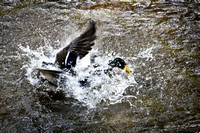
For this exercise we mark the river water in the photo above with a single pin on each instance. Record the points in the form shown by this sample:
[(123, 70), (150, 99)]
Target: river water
[(159, 40)]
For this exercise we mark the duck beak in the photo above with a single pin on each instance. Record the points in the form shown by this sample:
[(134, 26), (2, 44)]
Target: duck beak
[(127, 69)]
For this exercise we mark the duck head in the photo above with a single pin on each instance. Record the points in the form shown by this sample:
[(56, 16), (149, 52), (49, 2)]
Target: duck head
[(120, 63)]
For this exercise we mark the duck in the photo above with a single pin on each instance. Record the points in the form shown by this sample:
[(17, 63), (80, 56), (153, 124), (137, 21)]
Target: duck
[(66, 58)]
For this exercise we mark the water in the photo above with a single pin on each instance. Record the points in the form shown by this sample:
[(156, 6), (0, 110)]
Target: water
[(159, 40)]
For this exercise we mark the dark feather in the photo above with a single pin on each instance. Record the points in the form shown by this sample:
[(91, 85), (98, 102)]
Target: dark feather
[(77, 48)]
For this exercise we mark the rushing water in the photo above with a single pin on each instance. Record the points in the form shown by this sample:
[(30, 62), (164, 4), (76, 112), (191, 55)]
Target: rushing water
[(159, 40)]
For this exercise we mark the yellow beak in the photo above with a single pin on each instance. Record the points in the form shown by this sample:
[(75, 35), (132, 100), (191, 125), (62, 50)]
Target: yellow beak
[(127, 69)]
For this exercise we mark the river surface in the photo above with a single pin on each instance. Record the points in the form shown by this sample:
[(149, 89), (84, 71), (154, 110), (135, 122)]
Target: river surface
[(159, 40)]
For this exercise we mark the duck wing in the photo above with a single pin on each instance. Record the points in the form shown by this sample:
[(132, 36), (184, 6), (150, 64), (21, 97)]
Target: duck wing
[(78, 48)]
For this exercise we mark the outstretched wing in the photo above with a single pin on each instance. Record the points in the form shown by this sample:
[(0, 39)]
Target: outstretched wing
[(78, 48)]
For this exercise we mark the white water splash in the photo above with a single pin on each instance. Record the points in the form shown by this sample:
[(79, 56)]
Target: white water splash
[(35, 59), (102, 88), (147, 53)]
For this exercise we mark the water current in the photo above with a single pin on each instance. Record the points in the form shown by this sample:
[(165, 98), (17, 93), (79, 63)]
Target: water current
[(159, 40)]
